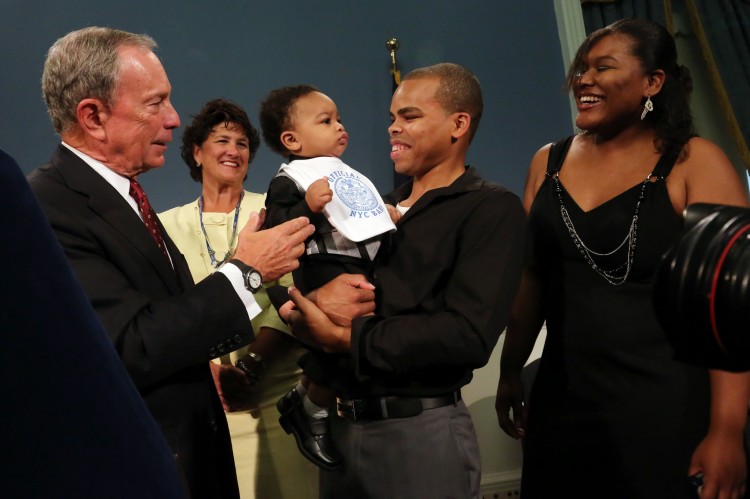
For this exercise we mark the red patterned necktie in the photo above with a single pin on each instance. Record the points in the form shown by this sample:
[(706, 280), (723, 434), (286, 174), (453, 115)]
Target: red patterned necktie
[(149, 217)]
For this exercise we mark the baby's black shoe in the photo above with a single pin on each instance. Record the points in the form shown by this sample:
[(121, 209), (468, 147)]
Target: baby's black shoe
[(312, 434)]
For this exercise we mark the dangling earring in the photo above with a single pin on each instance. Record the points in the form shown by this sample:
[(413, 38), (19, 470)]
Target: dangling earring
[(648, 106), (198, 165)]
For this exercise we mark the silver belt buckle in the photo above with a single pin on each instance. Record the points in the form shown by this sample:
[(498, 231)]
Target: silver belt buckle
[(346, 404), (384, 407)]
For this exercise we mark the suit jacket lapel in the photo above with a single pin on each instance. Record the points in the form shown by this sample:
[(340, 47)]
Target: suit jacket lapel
[(107, 203)]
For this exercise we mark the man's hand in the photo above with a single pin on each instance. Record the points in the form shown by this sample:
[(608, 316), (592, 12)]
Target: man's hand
[(318, 195), (273, 252), (313, 327), (345, 297), (324, 318)]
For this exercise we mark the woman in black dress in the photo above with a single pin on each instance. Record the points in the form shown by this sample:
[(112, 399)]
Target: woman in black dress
[(612, 414)]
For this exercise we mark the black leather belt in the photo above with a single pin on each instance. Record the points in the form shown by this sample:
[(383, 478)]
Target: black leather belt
[(392, 407)]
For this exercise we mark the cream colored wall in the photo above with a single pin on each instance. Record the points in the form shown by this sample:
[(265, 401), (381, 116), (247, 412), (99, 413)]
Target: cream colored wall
[(501, 455)]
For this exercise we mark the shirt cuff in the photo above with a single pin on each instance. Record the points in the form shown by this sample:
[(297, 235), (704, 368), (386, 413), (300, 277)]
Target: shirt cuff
[(248, 299)]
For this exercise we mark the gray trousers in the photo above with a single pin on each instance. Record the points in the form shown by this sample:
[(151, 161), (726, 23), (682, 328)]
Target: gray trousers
[(434, 455)]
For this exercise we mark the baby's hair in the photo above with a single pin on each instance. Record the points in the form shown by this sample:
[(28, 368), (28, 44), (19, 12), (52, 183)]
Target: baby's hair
[(275, 114)]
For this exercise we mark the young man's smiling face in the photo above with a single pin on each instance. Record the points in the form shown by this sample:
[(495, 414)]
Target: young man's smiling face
[(420, 130)]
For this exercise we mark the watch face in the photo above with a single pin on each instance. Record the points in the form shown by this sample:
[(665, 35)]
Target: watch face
[(254, 280)]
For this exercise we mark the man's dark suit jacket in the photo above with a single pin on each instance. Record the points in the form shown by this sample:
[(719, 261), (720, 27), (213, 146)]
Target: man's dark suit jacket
[(72, 423), (165, 328)]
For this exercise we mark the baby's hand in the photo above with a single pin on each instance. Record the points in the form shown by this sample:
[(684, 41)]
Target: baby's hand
[(394, 213), (318, 195)]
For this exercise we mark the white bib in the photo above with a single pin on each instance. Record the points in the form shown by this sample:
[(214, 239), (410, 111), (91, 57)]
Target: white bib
[(357, 211)]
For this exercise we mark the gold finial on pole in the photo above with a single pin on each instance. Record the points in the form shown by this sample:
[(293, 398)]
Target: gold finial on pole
[(392, 45)]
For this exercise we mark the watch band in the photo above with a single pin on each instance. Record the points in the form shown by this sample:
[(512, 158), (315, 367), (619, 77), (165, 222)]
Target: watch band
[(252, 279), (253, 375)]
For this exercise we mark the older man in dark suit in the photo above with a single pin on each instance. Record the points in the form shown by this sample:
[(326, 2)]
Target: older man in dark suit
[(109, 99)]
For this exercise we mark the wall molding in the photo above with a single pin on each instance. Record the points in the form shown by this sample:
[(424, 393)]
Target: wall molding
[(501, 484)]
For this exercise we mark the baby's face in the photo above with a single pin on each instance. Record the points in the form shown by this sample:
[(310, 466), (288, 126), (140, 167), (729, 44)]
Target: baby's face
[(317, 127)]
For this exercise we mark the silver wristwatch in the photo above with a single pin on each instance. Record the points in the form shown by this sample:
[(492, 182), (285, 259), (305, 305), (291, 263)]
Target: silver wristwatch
[(251, 277)]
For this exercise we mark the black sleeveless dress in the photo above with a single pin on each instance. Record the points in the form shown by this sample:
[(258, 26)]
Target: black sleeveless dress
[(612, 414)]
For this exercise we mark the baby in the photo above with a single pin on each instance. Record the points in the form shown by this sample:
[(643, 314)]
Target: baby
[(303, 125)]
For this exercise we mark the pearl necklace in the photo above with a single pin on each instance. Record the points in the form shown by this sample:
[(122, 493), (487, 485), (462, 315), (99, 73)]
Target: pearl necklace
[(616, 275)]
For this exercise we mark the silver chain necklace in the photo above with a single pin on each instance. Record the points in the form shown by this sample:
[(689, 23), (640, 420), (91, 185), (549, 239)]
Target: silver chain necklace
[(616, 275)]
